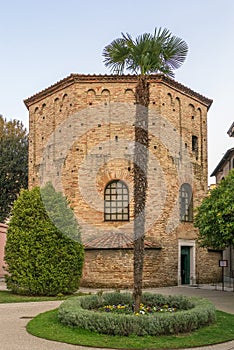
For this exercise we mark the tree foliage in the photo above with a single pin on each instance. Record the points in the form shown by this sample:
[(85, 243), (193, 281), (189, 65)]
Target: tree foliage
[(215, 216), (13, 163), (40, 258)]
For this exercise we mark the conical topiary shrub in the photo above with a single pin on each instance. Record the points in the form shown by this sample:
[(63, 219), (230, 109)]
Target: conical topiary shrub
[(43, 253)]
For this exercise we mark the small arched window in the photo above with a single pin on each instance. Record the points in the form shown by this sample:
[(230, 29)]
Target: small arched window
[(186, 203), (116, 201)]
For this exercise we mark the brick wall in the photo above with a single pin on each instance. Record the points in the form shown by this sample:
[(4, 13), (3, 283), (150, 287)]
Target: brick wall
[(82, 137)]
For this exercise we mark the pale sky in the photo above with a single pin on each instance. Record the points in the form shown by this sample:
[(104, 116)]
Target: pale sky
[(42, 42)]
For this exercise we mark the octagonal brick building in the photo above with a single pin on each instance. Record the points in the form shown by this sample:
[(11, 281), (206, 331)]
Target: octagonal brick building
[(82, 139)]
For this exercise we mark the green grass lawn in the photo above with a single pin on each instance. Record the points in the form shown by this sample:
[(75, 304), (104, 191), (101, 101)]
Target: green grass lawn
[(47, 326), (8, 297)]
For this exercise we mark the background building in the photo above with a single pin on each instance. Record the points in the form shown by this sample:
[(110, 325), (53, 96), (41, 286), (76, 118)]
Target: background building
[(221, 171), (225, 165), (231, 130), (81, 138)]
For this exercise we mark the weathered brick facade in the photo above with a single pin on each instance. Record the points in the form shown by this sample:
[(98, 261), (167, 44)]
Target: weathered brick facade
[(82, 137)]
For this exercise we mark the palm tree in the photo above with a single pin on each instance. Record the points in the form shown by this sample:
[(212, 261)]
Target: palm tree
[(160, 52)]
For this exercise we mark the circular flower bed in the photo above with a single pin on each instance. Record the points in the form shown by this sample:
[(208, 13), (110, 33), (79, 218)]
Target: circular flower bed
[(112, 313), (144, 309)]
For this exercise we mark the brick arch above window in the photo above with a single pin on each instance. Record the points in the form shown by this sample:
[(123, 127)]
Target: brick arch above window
[(192, 112), (105, 95), (91, 96), (129, 95), (105, 92), (169, 99), (91, 92), (177, 104)]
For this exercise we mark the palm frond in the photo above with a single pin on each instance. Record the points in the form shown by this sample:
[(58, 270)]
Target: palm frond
[(175, 52), (115, 55), (160, 52)]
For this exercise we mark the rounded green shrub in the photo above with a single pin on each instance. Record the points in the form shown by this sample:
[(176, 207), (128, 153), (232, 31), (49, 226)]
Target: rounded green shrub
[(40, 258), (83, 312)]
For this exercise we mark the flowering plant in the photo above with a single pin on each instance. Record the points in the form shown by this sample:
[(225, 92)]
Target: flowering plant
[(144, 309)]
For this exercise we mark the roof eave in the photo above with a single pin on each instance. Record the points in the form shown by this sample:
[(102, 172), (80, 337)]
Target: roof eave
[(222, 161), (231, 130), (73, 78)]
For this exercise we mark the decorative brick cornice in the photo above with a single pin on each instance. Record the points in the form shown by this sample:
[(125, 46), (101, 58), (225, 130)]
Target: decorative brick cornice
[(82, 78), (184, 89)]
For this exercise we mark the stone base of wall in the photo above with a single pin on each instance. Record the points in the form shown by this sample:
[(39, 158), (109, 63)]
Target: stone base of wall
[(113, 268)]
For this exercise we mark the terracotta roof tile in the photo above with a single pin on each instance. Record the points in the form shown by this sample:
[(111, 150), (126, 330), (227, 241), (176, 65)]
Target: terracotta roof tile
[(226, 157), (115, 240)]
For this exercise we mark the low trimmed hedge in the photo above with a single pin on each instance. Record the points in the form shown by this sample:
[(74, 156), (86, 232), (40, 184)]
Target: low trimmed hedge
[(82, 312)]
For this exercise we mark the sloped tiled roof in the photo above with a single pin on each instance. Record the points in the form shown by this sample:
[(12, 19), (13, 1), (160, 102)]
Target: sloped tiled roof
[(115, 240), (231, 130), (75, 78), (223, 161)]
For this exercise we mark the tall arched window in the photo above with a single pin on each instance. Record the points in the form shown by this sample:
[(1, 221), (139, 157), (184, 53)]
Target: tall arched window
[(116, 201), (186, 203)]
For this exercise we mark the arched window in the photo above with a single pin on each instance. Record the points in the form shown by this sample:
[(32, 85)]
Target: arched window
[(186, 203), (116, 201)]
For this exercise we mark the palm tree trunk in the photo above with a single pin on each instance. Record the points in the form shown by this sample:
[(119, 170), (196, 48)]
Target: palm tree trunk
[(140, 184)]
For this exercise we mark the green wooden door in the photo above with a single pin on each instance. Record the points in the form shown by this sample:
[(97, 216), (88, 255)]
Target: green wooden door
[(185, 265)]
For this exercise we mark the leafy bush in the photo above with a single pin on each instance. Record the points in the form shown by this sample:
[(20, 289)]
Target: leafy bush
[(78, 312), (96, 300), (40, 259), (178, 301)]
